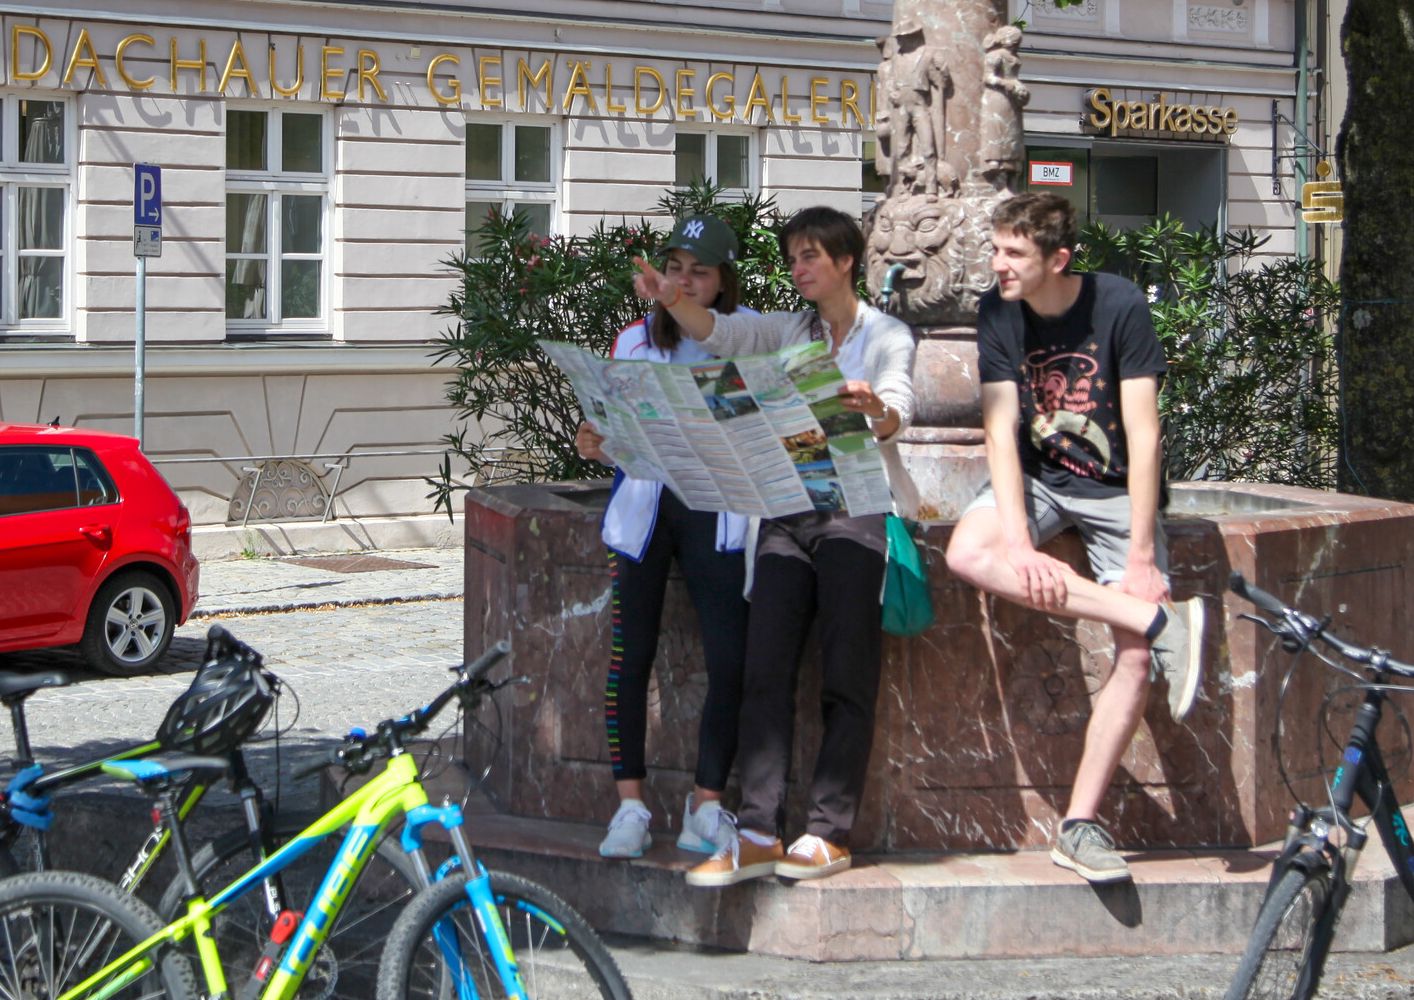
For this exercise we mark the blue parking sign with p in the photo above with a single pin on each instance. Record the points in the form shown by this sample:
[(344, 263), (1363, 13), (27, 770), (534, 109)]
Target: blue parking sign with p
[(147, 194)]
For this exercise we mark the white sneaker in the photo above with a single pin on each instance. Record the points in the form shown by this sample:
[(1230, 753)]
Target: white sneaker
[(708, 830), (1177, 654), (628, 831)]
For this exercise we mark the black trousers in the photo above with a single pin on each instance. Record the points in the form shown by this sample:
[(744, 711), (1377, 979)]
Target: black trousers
[(839, 587), (714, 582)]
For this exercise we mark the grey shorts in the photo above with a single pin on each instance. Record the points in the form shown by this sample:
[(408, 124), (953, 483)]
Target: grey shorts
[(1103, 523)]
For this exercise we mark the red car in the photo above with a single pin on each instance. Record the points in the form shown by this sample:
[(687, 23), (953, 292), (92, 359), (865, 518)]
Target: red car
[(95, 548)]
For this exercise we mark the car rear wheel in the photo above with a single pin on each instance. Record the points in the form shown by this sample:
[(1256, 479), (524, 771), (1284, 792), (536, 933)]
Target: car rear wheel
[(130, 624)]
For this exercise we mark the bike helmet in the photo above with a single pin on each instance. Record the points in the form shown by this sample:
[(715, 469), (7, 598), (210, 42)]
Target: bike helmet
[(226, 703)]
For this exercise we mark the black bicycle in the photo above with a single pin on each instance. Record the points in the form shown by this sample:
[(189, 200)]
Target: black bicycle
[(1310, 879)]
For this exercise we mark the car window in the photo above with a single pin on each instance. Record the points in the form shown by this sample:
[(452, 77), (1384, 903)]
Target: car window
[(34, 479), (94, 483)]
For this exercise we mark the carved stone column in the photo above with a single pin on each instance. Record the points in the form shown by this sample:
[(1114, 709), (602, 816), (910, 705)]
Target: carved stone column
[(950, 145)]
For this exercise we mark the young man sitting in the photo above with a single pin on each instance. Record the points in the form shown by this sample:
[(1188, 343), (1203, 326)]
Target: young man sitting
[(1070, 368)]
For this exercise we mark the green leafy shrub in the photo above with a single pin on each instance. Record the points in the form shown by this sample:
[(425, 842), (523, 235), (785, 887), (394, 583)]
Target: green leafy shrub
[(1252, 387), (521, 287)]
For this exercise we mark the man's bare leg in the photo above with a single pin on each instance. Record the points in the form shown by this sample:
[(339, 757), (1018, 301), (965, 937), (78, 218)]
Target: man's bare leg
[(977, 554)]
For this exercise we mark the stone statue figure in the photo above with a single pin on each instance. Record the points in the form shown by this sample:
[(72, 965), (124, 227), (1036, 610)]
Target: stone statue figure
[(950, 143), (1003, 97), (916, 85)]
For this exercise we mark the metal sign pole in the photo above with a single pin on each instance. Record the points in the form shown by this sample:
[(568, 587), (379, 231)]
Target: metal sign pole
[(147, 242), (139, 346)]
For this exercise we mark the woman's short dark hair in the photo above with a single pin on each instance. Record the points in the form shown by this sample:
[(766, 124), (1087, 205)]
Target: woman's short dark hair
[(664, 329), (1046, 219), (836, 233)]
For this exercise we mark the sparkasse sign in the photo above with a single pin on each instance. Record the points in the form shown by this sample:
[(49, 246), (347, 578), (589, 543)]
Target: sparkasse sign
[(1158, 117)]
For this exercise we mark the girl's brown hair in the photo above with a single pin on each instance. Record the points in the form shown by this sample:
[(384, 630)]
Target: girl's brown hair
[(664, 329)]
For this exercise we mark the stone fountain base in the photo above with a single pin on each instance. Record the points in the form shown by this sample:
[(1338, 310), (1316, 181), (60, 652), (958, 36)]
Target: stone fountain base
[(981, 719)]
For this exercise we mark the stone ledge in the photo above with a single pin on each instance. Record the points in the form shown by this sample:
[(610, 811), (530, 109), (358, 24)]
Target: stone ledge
[(928, 907)]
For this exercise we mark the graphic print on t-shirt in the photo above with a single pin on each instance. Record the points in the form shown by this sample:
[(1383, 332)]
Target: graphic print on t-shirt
[(1070, 402)]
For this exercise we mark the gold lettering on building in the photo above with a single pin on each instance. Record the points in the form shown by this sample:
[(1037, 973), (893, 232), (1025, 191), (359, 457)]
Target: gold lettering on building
[(485, 81), (849, 102), (329, 73), (756, 98), (453, 94), (609, 104), (579, 87), (277, 87), (682, 92), (368, 67), (727, 108), (243, 73), (540, 79), (639, 72), (177, 64), (41, 41), (78, 60), (1197, 120), (121, 52), (556, 80), (787, 116), (819, 100)]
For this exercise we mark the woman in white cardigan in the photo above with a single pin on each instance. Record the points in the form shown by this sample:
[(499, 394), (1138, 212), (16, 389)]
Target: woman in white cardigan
[(821, 566)]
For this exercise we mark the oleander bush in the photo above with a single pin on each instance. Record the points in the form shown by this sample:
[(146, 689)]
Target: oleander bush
[(516, 414), (1252, 387)]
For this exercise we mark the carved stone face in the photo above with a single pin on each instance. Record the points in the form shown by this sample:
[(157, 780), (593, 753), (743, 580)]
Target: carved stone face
[(914, 231)]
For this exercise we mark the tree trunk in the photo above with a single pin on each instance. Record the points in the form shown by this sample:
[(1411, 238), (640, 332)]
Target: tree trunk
[(1377, 269)]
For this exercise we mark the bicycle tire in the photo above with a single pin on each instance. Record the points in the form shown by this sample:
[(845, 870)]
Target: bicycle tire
[(556, 950), (346, 966), (58, 928), (1284, 939)]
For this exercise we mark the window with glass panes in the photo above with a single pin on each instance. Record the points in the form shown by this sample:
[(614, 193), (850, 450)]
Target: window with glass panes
[(277, 189), (510, 168), (722, 158), (36, 183), (871, 182)]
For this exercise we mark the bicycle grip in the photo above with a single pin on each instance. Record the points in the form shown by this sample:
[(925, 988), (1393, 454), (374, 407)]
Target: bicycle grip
[(1238, 584), (488, 659)]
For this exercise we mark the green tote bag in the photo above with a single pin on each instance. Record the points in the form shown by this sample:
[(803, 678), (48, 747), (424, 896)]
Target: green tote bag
[(907, 604)]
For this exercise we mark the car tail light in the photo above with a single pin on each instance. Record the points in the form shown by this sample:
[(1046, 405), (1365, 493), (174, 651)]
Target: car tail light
[(184, 523)]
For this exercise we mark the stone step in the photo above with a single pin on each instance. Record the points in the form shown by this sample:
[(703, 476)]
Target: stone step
[(924, 907)]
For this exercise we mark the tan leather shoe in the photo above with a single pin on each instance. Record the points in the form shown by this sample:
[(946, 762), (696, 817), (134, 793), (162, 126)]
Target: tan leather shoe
[(813, 857), (740, 859)]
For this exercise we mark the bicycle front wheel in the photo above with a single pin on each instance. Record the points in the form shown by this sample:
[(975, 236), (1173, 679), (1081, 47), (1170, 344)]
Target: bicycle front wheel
[(346, 965), (1285, 940), (59, 928), (437, 948)]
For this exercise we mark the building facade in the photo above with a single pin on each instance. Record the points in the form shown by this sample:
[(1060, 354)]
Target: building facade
[(322, 160)]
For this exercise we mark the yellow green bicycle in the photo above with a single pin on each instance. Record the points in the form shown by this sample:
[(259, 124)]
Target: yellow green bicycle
[(469, 934)]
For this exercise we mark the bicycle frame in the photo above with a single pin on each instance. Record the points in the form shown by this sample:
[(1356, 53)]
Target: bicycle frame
[(396, 790), (1361, 773)]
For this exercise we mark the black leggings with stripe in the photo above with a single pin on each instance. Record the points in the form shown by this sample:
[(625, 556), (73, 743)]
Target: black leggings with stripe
[(714, 582)]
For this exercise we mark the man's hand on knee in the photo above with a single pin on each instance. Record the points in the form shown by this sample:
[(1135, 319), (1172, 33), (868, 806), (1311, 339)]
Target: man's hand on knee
[(1042, 577)]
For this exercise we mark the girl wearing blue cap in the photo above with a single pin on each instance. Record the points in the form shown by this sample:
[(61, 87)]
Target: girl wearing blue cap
[(646, 528)]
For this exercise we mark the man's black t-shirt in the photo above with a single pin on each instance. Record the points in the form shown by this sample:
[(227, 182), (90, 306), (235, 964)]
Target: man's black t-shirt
[(1067, 369)]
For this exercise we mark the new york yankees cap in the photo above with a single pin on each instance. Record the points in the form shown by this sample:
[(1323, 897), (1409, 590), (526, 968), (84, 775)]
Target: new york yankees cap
[(706, 237)]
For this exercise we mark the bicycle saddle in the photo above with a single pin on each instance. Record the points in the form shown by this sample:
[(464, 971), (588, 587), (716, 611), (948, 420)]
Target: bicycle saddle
[(17, 687)]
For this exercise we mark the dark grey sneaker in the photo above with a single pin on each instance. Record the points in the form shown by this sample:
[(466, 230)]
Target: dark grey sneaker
[(1177, 654), (1088, 850)]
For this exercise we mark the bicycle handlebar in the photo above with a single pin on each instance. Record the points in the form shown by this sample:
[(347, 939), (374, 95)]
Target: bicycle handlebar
[(1297, 624), (357, 751)]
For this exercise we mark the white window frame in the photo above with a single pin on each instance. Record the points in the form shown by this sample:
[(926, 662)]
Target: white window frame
[(508, 193), (275, 183), (15, 175), (753, 158)]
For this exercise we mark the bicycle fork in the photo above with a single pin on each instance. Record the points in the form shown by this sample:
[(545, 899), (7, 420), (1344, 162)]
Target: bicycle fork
[(483, 904)]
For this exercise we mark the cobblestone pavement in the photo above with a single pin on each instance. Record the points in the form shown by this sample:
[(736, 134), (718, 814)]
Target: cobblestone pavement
[(349, 661)]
